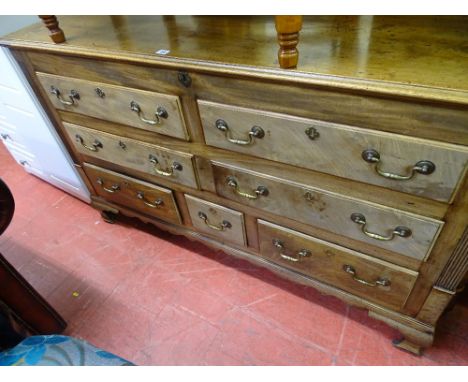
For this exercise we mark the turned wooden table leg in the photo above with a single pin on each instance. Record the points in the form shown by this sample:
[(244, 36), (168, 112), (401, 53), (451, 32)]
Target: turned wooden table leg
[(288, 28), (55, 33)]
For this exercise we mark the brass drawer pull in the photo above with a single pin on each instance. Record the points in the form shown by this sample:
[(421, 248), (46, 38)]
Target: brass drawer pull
[(255, 132), (260, 191), (168, 171), (74, 95), (157, 203), (160, 113), (222, 227), (94, 147), (299, 255), (398, 231), (380, 281), (114, 187), (423, 167)]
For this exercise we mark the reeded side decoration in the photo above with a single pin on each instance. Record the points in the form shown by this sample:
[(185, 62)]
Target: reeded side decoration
[(456, 269)]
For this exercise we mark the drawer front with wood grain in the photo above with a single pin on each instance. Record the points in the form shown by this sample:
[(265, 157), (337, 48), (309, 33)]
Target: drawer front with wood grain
[(215, 220), (398, 231), (132, 193), (417, 166), (364, 276), (161, 162), (159, 113)]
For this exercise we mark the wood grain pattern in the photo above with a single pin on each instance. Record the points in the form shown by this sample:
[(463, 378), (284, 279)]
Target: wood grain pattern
[(337, 149), (135, 154), (252, 214), (203, 154), (113, 103), (374, 82), (440, 121), (329, 211), (435, 306), (326, 261), (125, 191), (217, 215), (378, 48)]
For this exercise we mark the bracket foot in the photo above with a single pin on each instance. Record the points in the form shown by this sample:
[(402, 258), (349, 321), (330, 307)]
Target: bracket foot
[(108, 217)]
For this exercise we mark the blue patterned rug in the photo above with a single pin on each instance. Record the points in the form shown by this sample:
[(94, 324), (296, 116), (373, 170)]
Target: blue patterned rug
[(57, 350)]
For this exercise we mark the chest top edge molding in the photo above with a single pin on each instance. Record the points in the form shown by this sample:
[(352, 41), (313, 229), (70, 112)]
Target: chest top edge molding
[(379, 88)]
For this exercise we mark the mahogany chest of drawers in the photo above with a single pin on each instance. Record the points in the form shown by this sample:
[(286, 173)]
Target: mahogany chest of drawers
[(352, 184)]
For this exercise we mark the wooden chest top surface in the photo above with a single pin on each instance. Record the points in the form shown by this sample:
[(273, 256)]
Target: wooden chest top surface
[(429, 51)]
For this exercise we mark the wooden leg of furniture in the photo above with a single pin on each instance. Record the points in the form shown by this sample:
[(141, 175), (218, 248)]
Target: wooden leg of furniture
[(288, 28), (108, 217), (108, 213), (55, 33), (405, 344), (413, 340)]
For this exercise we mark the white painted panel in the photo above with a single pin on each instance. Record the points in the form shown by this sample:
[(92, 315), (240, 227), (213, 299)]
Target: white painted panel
[(32, 137)]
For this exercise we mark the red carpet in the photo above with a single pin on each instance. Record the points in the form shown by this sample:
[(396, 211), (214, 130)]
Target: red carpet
[(158, 299)]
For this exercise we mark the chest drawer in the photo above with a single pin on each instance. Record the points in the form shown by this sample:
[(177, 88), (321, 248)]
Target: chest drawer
[(129, 192), (398, 231), (159, 113), (155, 160), (411, 165), (370, 278), (216, 220)]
